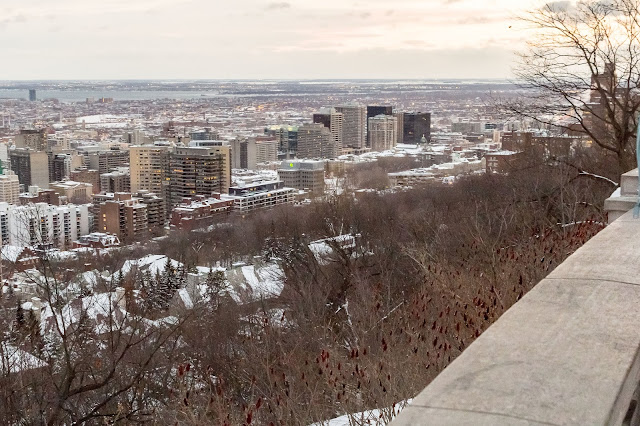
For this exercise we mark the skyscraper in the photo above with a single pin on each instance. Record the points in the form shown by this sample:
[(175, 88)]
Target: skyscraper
[(32, 167), (32, 95), (30, 138), (148, 168), (383, 132), (199, 170), (315, 141), (375, 110), (416, 126), (334, 121), (353, 125)]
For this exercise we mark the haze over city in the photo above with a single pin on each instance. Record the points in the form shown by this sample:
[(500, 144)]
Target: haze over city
[(260, 39), (319, 213)]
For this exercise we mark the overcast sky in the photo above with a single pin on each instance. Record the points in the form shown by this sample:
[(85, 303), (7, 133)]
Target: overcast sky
[(174, 39)]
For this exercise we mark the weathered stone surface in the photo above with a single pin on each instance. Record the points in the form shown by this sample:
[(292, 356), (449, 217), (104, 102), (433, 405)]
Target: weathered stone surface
[(629, 183), (567, 353)]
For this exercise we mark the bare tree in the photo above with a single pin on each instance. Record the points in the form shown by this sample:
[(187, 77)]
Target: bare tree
[(583, 65)]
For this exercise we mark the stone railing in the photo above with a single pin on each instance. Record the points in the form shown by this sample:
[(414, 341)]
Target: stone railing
[(568, 353)]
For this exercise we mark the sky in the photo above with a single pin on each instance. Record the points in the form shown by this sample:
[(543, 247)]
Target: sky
[(259, 39)]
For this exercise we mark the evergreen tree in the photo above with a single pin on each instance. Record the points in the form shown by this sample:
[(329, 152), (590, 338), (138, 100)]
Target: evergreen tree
[(216, 283)]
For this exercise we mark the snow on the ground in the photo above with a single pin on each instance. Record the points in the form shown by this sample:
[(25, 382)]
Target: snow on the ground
[(250, 283), (153, 263), (14, 360)]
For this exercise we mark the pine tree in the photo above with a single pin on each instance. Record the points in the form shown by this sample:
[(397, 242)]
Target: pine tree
[(216, 283)]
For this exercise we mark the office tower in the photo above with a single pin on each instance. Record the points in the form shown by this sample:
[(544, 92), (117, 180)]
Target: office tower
[(287, 137), (307, 175), (243, 154), (353, 125), (266, 151), (315, 141), (383, 132), (32, 95), (106, 161), (33, 139), (9, 187), (137, 137), (83, 174), (400, 117), (334, 121), (199, 170), (375, 110), (32, 167), (148, 168), (248, 153), (61, 165), (416, 125)]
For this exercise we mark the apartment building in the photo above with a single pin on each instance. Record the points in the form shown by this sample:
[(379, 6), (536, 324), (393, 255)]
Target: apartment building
[(9, 187), (43, 224), (202, 169), (260, 195)]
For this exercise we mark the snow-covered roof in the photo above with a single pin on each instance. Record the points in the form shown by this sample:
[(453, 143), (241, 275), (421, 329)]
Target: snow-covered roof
[(153, 263), (15, 360), (251, 283)]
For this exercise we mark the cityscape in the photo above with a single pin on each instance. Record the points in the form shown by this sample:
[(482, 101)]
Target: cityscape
[(454, 248)]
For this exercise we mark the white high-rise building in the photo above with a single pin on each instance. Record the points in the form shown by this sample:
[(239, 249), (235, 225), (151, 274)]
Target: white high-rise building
[(41, 223), (9, 187), (383, 132)]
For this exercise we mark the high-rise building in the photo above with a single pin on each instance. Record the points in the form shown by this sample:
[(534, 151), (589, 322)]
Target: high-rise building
[(353, 125), (334, 121), (375, 110), (107, 161), (203, 169), (248, 153), (116, 181), (123, 216), (266, 151), (32, 167), (32, 95), (149, 165), (383, 132), (33, 139), (315, 141), (9, 187), (287, 137), (86, 175), (243, 154), (43, 224), (416, 125), (307, 175), (156, 211), (400, 117), (61, 165)]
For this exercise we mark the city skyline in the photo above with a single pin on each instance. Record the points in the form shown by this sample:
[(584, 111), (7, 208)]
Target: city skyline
[(193, 39)]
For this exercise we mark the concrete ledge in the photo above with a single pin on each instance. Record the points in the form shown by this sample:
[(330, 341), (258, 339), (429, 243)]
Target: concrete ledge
[(629, 183), (567, 353)]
